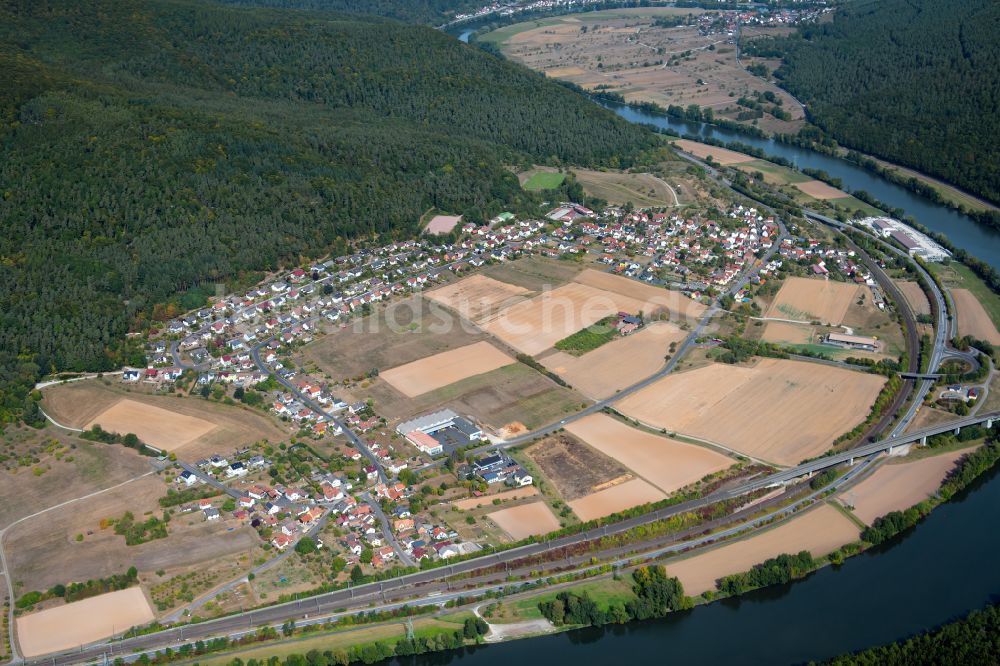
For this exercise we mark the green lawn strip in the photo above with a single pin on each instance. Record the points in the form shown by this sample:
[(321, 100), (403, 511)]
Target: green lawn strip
[(544, 180), (604, 592), (860, 524)]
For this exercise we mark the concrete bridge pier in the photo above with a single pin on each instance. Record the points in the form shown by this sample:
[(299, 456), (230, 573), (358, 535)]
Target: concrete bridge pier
[(851, 462), (989, 423), (923, 441), (889, 451), (957, 430)]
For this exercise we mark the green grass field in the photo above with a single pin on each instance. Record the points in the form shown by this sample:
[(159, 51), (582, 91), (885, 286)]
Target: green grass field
[(589, 338), (544, 180)]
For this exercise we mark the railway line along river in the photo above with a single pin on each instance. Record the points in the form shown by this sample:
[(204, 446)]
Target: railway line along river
[(934, 573)]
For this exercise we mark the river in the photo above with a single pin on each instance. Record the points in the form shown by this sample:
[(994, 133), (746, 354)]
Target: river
[(937, 572)]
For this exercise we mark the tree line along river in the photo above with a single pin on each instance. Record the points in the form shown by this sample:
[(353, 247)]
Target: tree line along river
[(937, 572)]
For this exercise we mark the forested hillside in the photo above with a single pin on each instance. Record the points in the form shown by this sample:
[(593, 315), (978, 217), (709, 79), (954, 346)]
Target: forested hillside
[(151, 148), (429, 12), (913, 81)]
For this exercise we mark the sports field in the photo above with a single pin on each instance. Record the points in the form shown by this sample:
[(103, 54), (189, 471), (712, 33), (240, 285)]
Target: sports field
[(433, 372), (526, 520), (442, 224), (622, 362), (820, 531), (666, 463), (82, 622), (544, 180), (775, 410), (614, 499), (807, 299)]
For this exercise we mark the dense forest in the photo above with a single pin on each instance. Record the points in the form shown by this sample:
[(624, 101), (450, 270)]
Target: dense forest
[(428, 12), (151, 148), (971, 641), (916, 82)]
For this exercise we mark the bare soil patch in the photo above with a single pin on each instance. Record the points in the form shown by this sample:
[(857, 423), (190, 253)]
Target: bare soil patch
[(82, 622), (776, 410), (442, 224), (817, 189), (622, 362), (525, 520), (478, 296), (666, 463), (232, 426), (722, 156), (806, 299), (614, 499), (898, 486), (652, 299), (972, 317), (915, 296), (534, 273), (433, 372), (575, 468), (820, 531)]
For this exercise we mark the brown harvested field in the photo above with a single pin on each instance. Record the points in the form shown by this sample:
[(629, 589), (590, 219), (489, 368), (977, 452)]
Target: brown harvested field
[(618, 187), (666, 463), (808, 299), (622, 362), (614, 499), (82, 404), (781, 331), (914, 296), (526, 520), (506, 496), (776, 410), (820, 531), (720, 155), (533, 272), (972, 317), (651, 298), (514, 392), (403, 332), (898, 486), (79, 623), (535, 325), (442, 224), (43, 550), (433, 372), (160, 427), (575, 468), (817, 189), (478, 296), (629, 54)]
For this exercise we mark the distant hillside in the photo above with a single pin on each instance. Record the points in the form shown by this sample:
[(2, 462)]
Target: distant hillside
[(152, 148), (428, 12), (916, 82)]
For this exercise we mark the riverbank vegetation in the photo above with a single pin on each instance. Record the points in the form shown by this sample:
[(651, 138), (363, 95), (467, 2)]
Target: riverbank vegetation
[(877, 77), (970, 641)]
